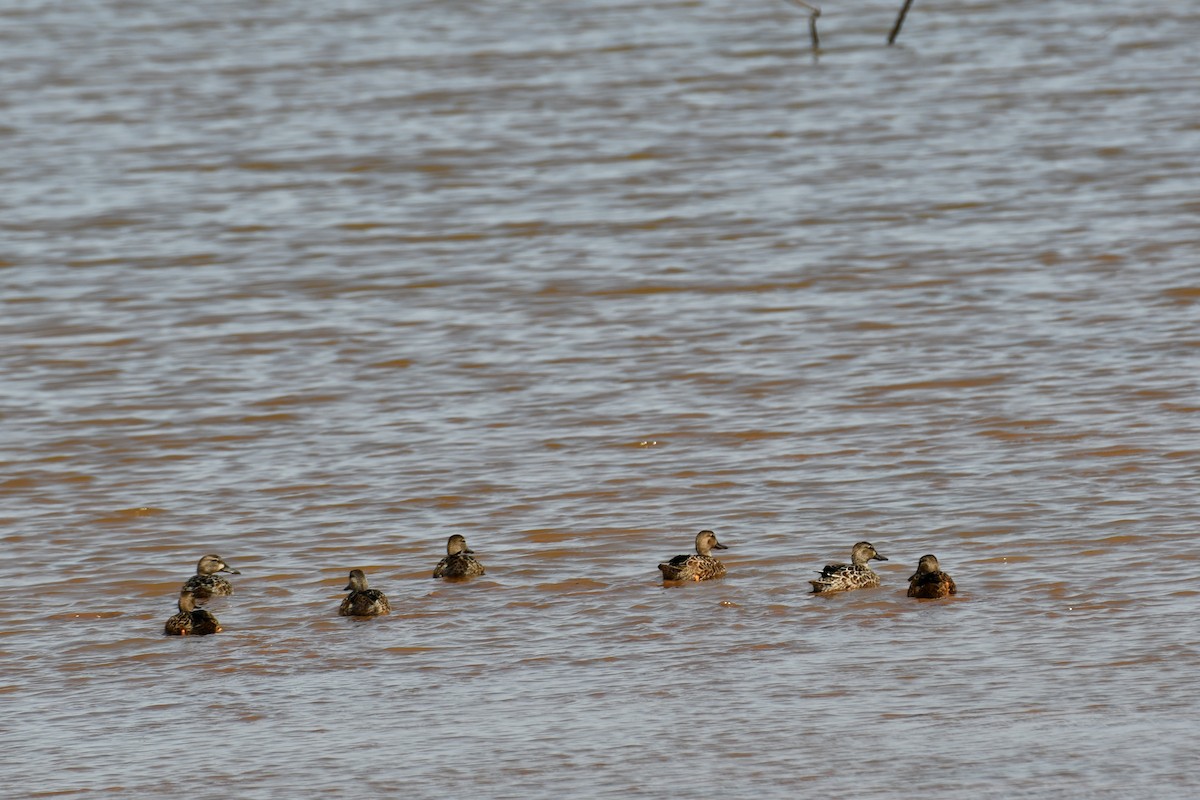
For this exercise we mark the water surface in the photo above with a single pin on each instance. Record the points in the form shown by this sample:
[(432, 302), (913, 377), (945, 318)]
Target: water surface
[(314, 286)]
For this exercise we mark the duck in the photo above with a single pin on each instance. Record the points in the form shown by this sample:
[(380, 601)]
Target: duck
[(191, 621), (855, 575), (460, 561), (363, 602), (206, 583), (698, 566), (929, 582)]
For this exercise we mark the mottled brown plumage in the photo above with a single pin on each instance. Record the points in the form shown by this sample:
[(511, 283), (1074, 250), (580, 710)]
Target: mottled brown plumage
[(699, 566), (206, 583), (191, 621), (929, 582), (855, 575), (459, 562), (363, 602)]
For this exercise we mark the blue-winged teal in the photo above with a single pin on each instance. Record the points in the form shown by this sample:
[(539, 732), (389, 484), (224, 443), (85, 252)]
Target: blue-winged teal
[(929, 581), (855, 575), (460, 561), (363, 602), (205, 583), (191, 621), (699, 566)]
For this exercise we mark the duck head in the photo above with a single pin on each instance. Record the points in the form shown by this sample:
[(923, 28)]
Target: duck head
[(864, 552), (358, 581), (458, 544), (706, 542), (928, 563), (214, 563)]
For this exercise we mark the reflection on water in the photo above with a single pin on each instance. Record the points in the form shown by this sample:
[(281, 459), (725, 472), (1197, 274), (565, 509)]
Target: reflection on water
[(314, 287)]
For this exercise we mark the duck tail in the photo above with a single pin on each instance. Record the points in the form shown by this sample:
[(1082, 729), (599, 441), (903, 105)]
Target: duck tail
[(674, 572)]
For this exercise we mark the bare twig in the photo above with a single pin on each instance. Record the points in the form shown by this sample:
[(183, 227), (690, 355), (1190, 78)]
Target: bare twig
[(899, 21), (813, 13)]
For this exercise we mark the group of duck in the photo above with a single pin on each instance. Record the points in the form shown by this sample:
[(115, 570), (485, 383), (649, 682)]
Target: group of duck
[(363, 601), (928, 582)]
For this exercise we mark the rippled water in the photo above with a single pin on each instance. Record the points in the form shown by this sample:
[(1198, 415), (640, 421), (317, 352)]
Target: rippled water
[(314, 285)]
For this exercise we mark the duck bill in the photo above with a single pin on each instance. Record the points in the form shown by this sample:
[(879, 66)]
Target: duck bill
[(230, 570), (878, 557), (719, 546)]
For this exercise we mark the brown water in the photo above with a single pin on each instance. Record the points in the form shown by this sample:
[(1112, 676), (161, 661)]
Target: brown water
[(314, 285)]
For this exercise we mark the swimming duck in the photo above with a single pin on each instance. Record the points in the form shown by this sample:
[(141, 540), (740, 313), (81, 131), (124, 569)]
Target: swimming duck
[(191, 621), (363, 602), (459, 562), (929, 581), (699, 566), (205, 583), (855, 575)]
